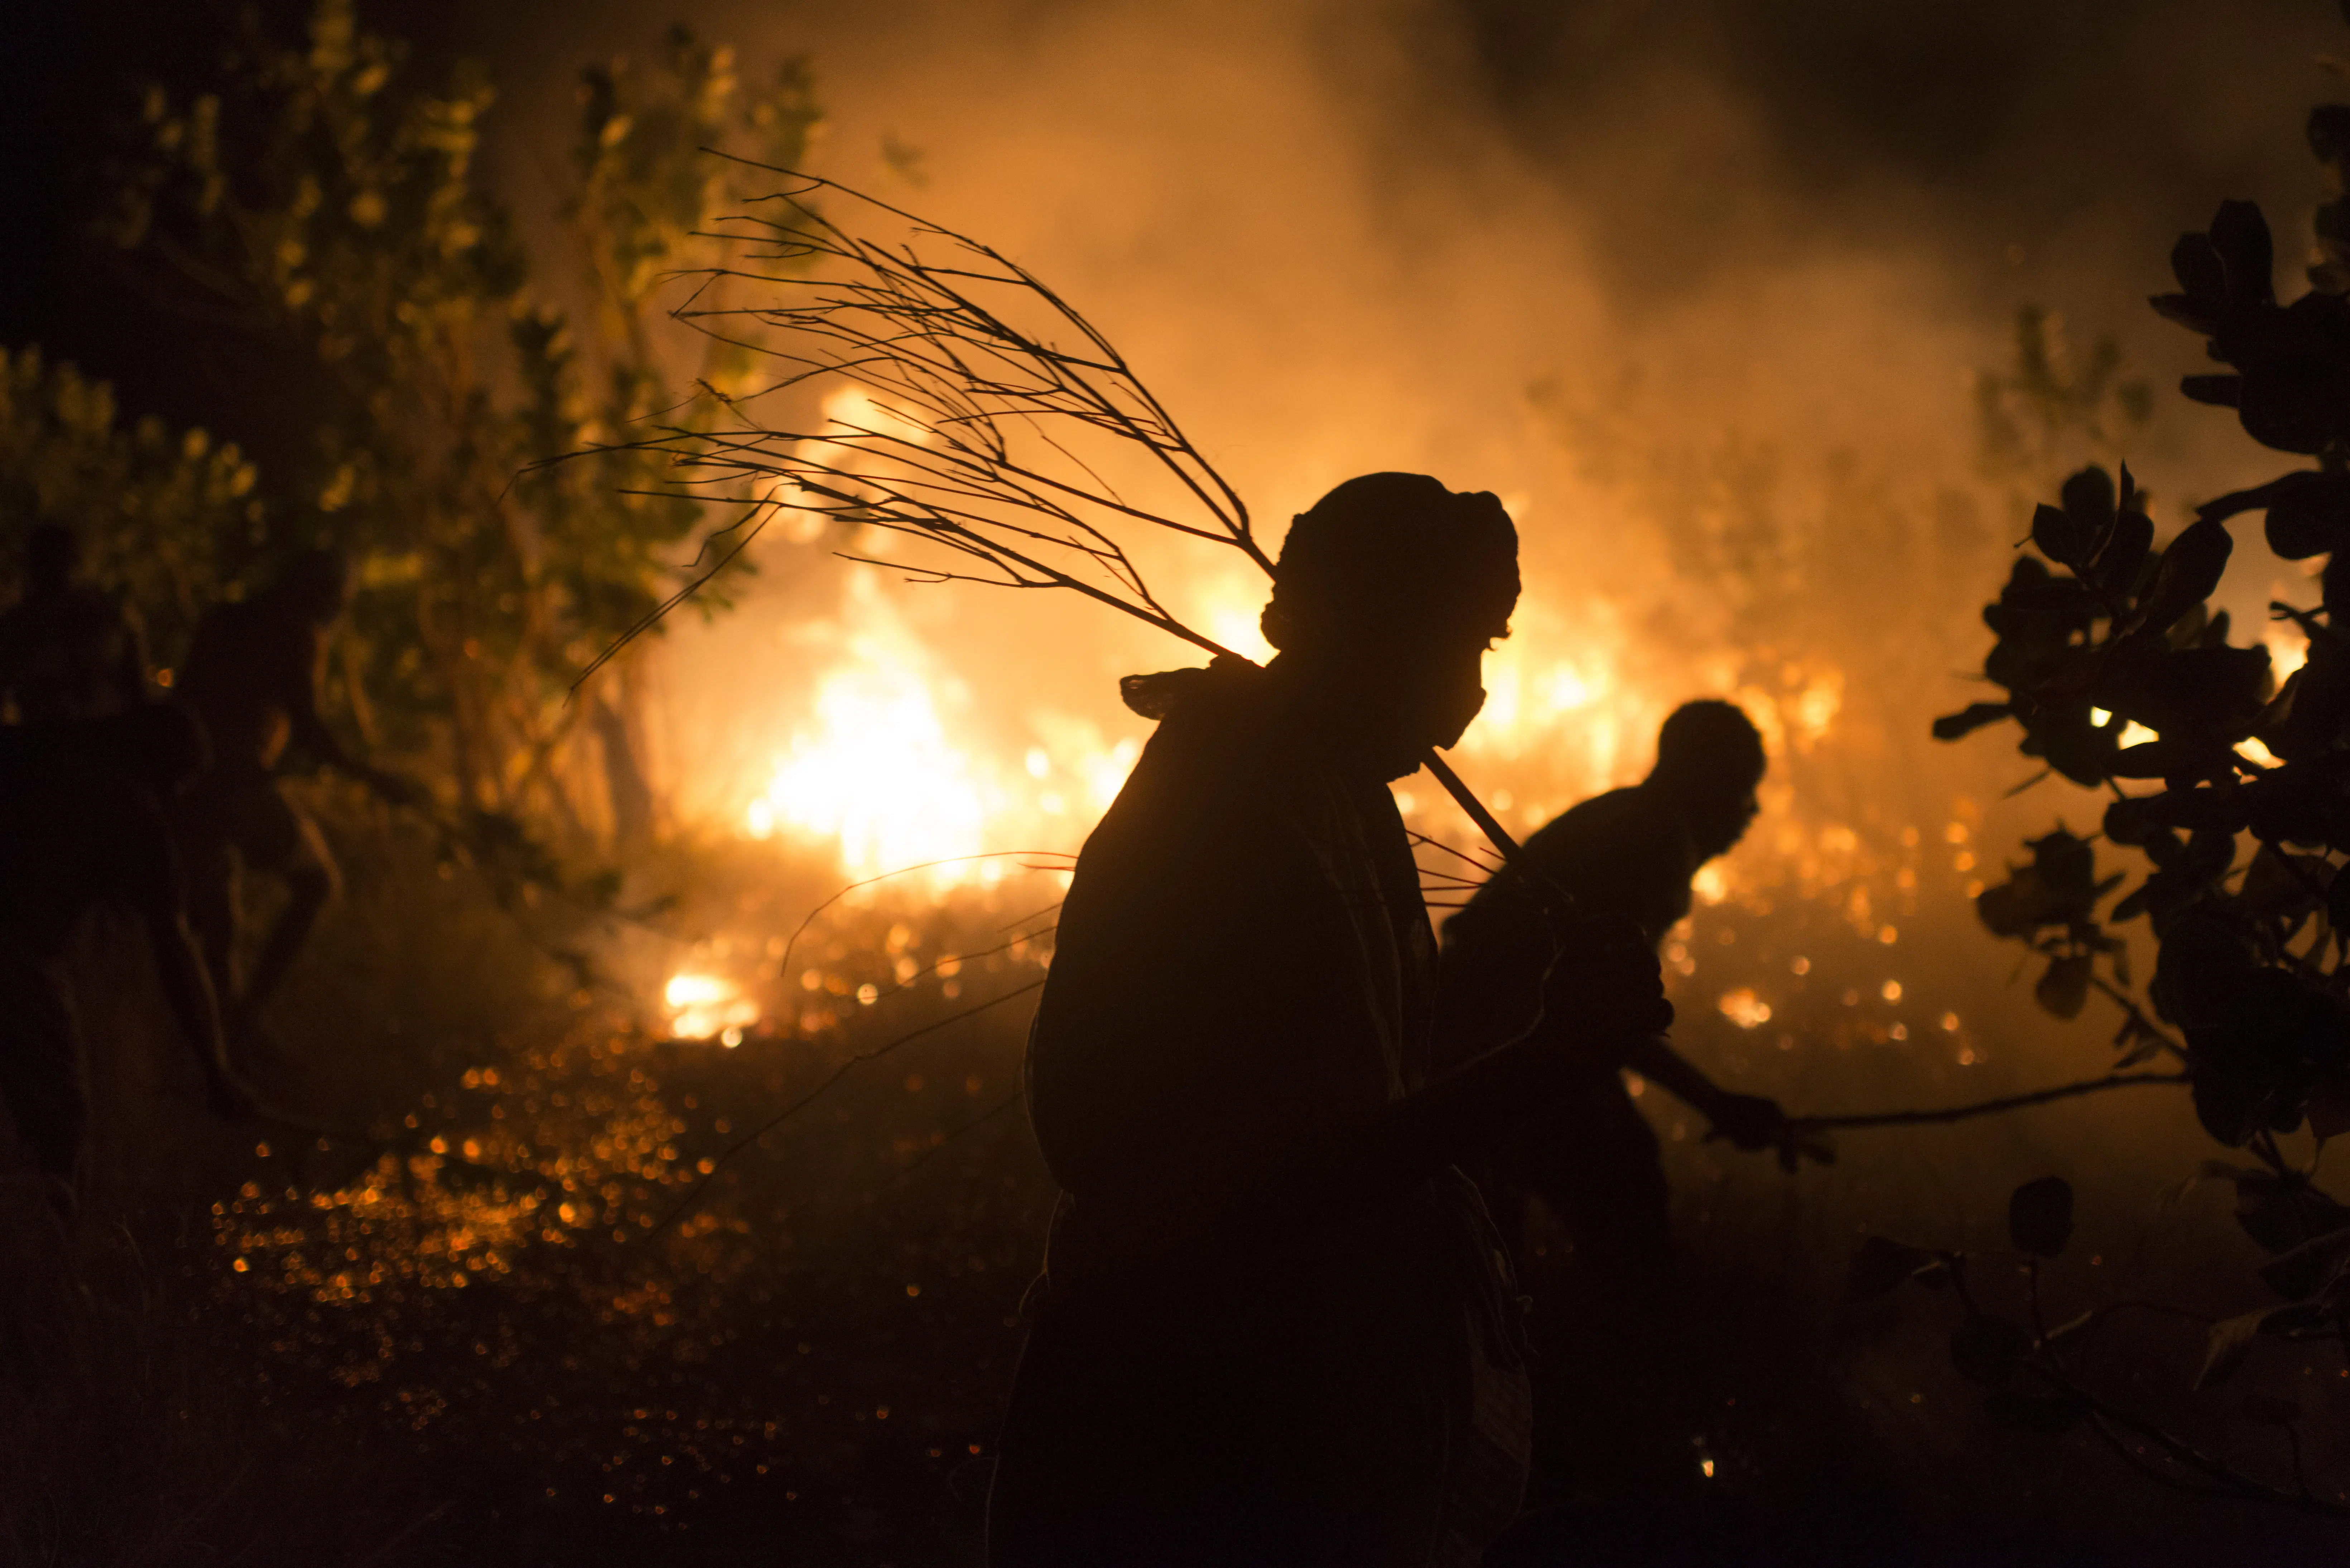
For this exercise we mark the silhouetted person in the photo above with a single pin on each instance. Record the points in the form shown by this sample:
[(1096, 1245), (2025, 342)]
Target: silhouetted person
[(67, 650), (1592, 1159), (86, 827), (1275, 1325), (252, 676)]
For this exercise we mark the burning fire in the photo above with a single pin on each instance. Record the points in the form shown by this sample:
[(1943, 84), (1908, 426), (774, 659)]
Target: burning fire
[(877, 774), (890, 770), (708, 1007), (882, 775)]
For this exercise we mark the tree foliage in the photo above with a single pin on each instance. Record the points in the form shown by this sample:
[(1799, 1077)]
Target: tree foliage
[(2230, 789), (326, 198), (168, 520)]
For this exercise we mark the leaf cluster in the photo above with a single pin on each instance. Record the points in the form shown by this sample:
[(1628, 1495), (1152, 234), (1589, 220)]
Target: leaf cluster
[(167, 519), (326, 197), (2123, 678)]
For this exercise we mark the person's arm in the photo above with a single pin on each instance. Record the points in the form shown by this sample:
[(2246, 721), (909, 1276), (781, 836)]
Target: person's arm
[(1604, 990), (1188, 1052), (1749, 1121)]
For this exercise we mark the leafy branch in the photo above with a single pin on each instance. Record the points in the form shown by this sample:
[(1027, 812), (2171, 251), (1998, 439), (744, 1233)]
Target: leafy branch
[(2037, 1379)]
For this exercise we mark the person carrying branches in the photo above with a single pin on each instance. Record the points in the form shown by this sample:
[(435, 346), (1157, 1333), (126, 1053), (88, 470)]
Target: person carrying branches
[(84, 806), (252, 676), (1274, 1324), (1590, 1160)]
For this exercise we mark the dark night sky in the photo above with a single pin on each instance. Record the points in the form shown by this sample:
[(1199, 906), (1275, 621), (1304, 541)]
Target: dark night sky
[(1994, 123)]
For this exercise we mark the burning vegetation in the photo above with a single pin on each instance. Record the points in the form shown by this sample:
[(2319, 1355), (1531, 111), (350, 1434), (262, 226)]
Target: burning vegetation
[(647, 1161)]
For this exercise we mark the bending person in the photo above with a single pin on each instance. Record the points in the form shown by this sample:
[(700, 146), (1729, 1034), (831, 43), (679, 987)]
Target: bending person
[(1274, 1324), (1592, 1159), (252, 676)]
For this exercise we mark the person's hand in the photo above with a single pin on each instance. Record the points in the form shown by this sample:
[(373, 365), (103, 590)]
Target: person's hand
[(1750, 1122), (1608, 975)]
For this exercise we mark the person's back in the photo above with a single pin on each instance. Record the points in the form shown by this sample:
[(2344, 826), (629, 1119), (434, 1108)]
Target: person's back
[(1624, 853), (1286, 951)]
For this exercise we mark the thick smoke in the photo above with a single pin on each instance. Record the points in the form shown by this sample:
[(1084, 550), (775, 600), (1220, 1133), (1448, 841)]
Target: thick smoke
[(1699, 290)]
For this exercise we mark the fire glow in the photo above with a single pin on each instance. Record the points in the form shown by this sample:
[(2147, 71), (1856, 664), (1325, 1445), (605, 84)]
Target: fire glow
[(708, 1007), (890, 767)]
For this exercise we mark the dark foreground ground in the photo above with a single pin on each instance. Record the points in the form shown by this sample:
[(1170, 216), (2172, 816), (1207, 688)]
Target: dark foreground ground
[(471, 1337)]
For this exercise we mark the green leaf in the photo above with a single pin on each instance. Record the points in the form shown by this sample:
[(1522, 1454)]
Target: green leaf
[(2088, 499), (2122, 561), (2309, 515), (2039, 1216), (2063, 991), (2282, 1214), (2329, 1096), (2221, 391), (2329, 128), (2191, 568), (2057, 535)]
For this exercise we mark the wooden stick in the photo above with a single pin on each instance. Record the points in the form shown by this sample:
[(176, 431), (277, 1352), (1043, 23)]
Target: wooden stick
[(1987, 1107)]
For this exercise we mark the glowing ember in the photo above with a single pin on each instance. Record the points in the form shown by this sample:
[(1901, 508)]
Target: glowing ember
[(707, 1007), (1745, 1009)]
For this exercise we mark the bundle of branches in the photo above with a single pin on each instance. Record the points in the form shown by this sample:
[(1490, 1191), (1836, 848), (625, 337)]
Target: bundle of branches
[(989, 422)]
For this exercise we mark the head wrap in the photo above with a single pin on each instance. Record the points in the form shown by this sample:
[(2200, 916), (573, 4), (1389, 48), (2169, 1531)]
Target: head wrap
[(1394, 554)]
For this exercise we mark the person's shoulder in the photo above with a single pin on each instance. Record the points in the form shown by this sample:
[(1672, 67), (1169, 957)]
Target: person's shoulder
[(1219, 733), (1211, 779), (1598, 823)]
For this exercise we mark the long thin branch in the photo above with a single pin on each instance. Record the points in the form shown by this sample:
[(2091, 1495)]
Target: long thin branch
[(2226, 1479), (1988, 1107)]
